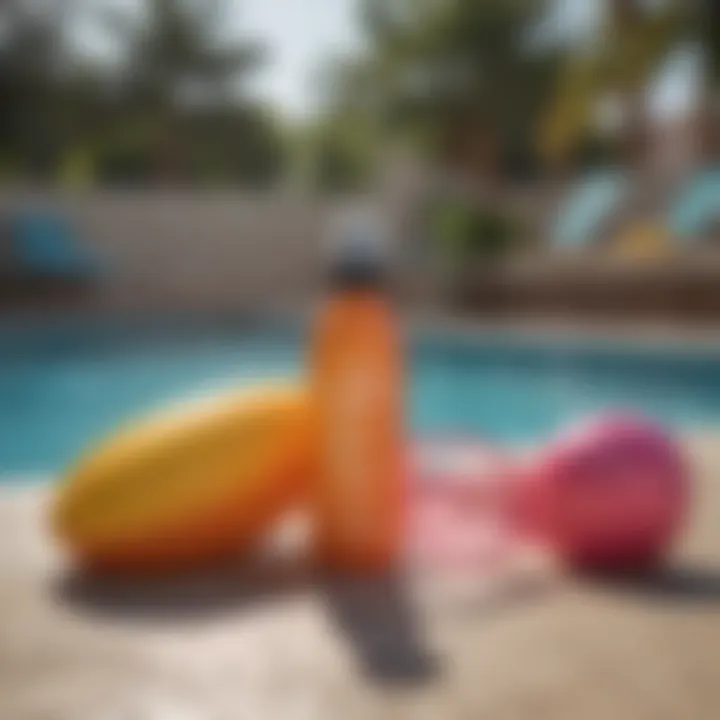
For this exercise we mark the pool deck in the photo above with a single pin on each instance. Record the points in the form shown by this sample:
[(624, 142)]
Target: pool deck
[(268, 643)]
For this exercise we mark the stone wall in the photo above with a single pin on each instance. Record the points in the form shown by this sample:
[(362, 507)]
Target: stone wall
[(232, 252), (188, 250)]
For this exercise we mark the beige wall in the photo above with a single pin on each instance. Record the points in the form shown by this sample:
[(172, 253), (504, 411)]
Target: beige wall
[(195, 250)]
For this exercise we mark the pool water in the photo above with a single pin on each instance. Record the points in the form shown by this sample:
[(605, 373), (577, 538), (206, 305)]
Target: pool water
[(64, 387)]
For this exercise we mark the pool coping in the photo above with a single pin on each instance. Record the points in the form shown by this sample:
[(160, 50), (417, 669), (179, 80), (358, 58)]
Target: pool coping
[(573, 335), (545, 329)]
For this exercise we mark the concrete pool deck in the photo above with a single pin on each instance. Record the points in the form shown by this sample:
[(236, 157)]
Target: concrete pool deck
[(265, 643)]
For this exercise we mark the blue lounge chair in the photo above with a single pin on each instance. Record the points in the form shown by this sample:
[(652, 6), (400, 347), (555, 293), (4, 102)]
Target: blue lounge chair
[(589, 208), (46, 246), (697, 209)]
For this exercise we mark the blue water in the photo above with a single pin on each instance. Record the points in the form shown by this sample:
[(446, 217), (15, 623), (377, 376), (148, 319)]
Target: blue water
[(63, 387)]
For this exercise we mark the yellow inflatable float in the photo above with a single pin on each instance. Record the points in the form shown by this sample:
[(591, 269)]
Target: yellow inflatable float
[(190, 485)]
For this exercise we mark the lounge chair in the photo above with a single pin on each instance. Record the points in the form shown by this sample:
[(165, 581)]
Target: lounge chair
[(46, 246), (696, 213), (589, 210)]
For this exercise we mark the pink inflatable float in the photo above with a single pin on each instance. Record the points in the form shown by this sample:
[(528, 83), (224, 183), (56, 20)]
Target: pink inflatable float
[(609, 495)]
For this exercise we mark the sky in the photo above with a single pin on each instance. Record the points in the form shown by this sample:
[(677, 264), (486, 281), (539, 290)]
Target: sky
[(304, 34)]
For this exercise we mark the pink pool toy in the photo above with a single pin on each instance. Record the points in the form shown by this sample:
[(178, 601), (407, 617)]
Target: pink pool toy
[(611, 494)]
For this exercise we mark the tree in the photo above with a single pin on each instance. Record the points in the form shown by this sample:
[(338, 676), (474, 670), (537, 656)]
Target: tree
[(35, 73), (338, 153), (631, 45), (179, 53), (172, 107), (463, 76), (180, 69), (707, 32)]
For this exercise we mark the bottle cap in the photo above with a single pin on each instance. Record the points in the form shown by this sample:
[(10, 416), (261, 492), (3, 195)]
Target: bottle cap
[(359, 253)]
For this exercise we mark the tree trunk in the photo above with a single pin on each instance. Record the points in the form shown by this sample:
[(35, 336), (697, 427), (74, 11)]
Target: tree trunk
[(473, 154), (709, 106), (169, 164), (626, 18)]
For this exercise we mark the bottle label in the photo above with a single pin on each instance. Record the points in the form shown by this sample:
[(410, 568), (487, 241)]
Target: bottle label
[(357, 424)]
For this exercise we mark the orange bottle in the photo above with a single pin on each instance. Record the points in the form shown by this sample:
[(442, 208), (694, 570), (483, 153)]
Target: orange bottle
[(358, 496)]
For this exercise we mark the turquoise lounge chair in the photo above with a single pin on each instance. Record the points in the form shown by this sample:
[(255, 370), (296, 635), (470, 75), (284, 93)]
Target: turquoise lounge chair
[(46, 246), (697, 209), (588, 209)]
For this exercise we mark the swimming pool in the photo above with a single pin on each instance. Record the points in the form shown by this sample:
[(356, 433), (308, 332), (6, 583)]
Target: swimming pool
[(65, 385)]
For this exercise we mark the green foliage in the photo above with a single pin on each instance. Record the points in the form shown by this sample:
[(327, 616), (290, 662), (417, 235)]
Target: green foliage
[(77, 170), (177, 53), (454, 74), (341, 155), (123, 155), (466, 81), (632, 44), (243, 146), (31, 54), (466, 234), (170, 109)]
